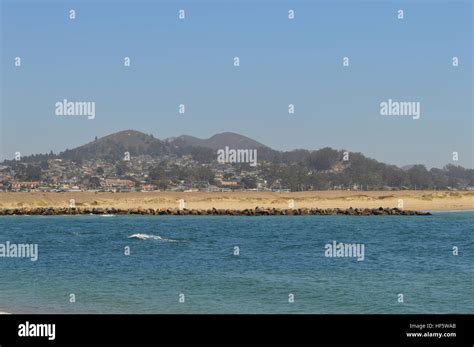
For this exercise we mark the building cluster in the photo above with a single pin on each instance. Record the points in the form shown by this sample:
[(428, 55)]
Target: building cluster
[(134, 175)]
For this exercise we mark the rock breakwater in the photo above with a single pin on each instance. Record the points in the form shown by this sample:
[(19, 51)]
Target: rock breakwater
[(258, 211)]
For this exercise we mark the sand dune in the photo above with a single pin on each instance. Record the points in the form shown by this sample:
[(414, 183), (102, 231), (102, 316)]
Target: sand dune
[(413, 200)]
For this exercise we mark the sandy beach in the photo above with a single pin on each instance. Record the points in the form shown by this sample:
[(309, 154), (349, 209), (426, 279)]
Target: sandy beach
[(412, 200)]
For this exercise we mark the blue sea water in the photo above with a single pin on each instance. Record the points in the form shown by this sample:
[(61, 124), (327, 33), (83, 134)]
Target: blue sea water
[(279, 255)]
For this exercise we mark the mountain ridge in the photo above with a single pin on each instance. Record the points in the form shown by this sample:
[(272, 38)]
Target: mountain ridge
[(221, 140), (190, 159)]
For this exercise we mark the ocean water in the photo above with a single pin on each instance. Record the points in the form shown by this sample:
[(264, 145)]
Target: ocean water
[(279, 255)]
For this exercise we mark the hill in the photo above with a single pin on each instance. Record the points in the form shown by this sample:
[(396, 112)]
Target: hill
[(187, 161), (220, 141), (112, 147)]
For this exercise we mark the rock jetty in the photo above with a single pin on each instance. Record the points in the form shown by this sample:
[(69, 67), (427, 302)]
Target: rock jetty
[(257, 211)]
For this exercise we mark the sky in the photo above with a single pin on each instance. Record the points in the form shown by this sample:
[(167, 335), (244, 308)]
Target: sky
[(282, 62)]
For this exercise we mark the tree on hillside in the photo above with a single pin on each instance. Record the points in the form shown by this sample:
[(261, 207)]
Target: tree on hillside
[(324, 159), (121, 168), (249, 183), (157, 173), (419, 177), (32, 173)]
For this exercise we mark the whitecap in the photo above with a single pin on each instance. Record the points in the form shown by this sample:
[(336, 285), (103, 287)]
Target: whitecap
[(150, 237)]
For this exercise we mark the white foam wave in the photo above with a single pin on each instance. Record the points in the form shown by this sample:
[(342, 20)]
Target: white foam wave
[(150, 237)]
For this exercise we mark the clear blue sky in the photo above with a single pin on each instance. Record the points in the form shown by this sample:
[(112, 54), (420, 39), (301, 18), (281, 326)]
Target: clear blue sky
[(282, 62)]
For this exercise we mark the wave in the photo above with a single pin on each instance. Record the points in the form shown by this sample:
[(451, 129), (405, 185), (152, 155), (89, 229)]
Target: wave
[(150, 237)]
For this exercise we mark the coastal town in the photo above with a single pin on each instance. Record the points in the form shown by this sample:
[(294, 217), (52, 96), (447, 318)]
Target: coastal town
[(139, 174), (144, 173), (131, 161)]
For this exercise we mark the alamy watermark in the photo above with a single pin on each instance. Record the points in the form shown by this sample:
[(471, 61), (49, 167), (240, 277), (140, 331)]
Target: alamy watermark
[(37, 330), (345, 250), (400, 108), (19, 250), (75, 108), (237, 156)]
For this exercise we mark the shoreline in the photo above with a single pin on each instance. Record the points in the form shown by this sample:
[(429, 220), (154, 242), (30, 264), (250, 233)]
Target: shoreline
[(405, 200)]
